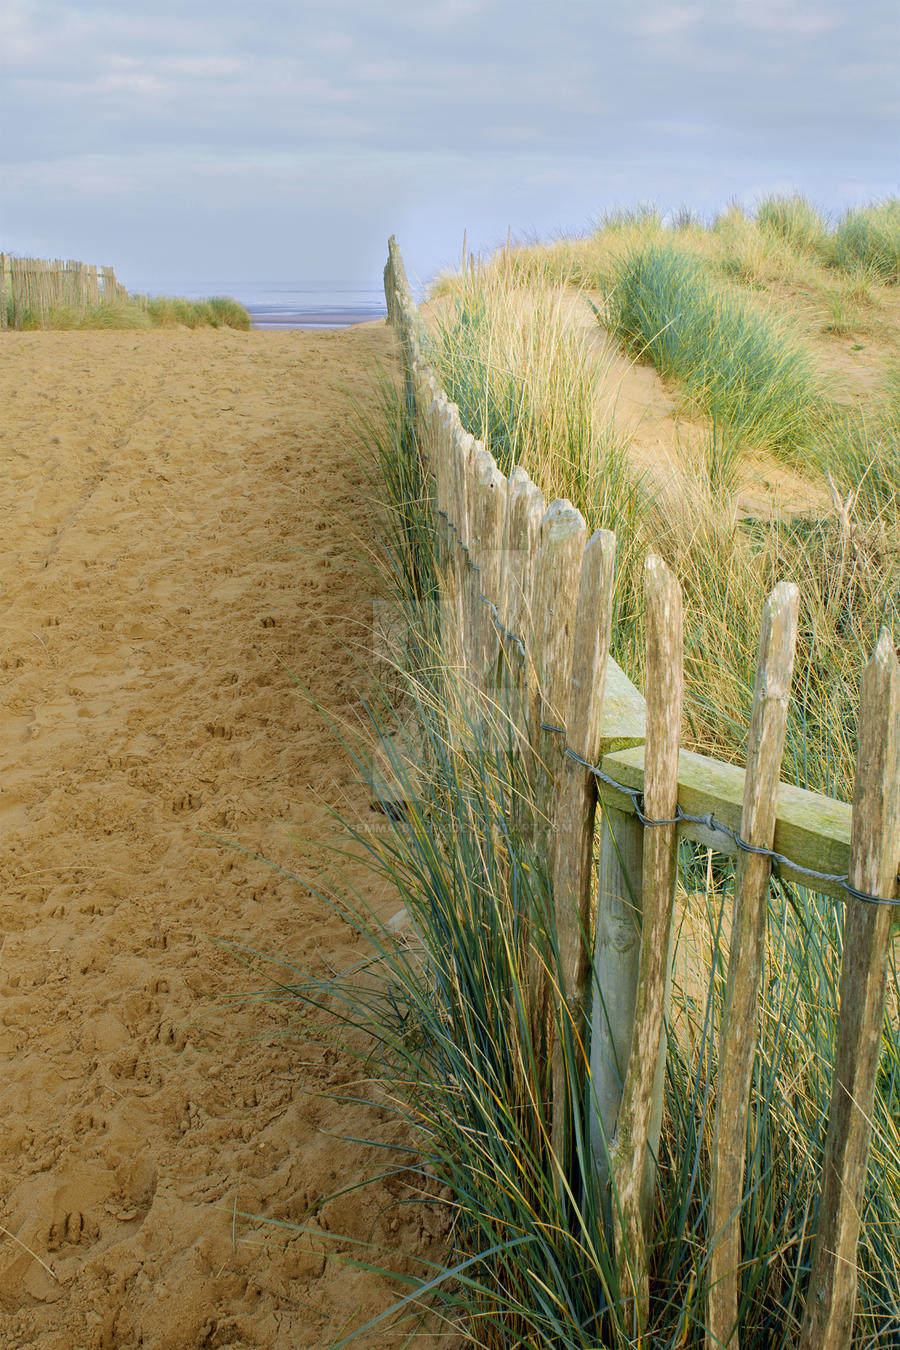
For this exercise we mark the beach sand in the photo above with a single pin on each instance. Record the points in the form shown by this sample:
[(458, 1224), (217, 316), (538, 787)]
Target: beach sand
[(180, 515)]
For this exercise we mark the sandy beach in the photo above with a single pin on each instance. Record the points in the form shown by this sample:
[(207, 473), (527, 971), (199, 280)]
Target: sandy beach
[(180, 513)]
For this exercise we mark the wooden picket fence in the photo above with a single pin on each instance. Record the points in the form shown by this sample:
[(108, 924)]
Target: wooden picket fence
[(527, 611), (37, 284)]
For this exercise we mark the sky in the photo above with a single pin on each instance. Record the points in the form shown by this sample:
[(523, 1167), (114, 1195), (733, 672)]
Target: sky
[(213, 145)]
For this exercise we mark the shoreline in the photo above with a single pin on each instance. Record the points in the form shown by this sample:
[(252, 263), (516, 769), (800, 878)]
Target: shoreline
[(264, 319)]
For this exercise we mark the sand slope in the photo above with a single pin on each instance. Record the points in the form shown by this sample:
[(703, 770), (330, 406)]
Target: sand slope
[(177, 511)]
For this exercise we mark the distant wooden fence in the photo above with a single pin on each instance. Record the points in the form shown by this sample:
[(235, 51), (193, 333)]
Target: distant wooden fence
[(36, 285), (527, 604)]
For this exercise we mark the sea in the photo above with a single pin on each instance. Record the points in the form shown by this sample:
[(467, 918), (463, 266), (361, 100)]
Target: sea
[(320, 306), (283, 305)]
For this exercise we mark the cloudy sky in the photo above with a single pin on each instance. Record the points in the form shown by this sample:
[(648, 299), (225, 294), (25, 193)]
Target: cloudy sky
[(215, 144)]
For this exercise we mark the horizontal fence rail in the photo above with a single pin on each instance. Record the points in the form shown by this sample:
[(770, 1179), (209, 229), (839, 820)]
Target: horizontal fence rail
[(526, 605), (37, 285)]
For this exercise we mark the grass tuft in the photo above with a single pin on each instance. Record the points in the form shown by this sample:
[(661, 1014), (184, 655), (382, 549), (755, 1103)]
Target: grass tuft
[(796, 221), (742, 367), (169, 311), (135, 312), (868, 240)]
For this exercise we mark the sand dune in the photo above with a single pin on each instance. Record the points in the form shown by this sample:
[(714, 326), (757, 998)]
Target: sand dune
[(177, 516)]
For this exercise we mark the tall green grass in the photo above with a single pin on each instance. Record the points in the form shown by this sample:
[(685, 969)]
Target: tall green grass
[(868, 240), (523, 385), (137, 311), (524, 382), (743, 368), (847, 566), (796, 221), (445, 1011), (218, 312), (444, 1006), (787, 248)]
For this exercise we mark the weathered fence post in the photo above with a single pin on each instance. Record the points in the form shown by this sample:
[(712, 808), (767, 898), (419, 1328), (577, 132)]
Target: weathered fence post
[(390, 289), (557, 570), (618, 925), (473, 670), (874, 858), (557, 574), (443, 426), (525, 510), (438, 421), (462, 450), (17, 286), (76, 285), (573, 838), (517, 484), (633, 1146), (443, 435), (3, 293), (490, 525), (617, 951), (737, 1039), (45, 286)]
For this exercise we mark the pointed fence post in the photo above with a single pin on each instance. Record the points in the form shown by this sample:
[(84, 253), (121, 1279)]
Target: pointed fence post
[(456, 527), (473, 605), (558, 571), (517, 484), (631, 1150), (428, 411), (616, 963), (525, 510), (436, 423), (462, 453), (444, 429), (77, 271), (17, 283), (390, 289), (490, 526), (874, 858), (510, 675), (737, 1038), (618, 926), (447, 433), (573, 838)]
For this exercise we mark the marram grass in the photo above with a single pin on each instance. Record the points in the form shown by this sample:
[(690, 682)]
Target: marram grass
[(569, 1281), (524, 383), (739, 366), (788, 248), (796, 221), (135, 312), (444, 1007), (868, 240)]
